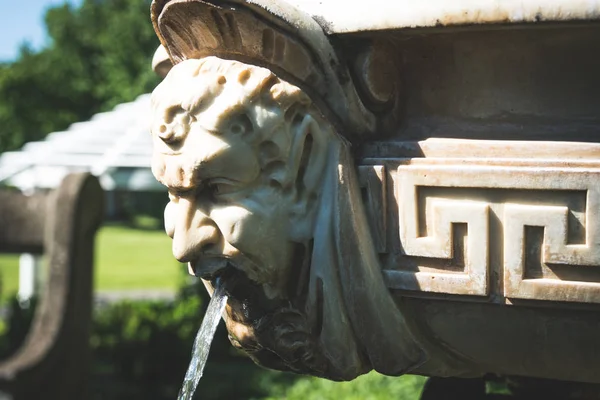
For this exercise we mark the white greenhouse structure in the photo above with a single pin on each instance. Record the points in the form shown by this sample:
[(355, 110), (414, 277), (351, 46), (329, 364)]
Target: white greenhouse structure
[(115, 146)]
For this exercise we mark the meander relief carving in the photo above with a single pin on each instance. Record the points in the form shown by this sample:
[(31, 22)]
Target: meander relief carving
[(514, 230), (263, 193)]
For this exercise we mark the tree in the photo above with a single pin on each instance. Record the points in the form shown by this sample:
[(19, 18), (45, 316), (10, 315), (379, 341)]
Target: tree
[(99, 56)]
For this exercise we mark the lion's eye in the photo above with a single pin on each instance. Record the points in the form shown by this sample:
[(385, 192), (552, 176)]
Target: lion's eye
[(236, 128), (222, 187), (240, 125), (176, 194)]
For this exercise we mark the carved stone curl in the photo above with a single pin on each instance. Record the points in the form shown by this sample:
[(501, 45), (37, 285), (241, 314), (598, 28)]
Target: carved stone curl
[(264, 195)]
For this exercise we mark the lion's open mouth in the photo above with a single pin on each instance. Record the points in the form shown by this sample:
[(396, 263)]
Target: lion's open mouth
[(247, 300), (272, 332)]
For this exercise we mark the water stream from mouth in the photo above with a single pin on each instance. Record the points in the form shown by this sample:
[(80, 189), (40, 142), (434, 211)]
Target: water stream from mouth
[(203, 341)]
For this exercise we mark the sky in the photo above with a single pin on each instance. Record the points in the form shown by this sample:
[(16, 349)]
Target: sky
[(23, 21)]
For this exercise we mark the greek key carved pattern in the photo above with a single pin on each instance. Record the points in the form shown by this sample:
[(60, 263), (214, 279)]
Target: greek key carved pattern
[(439, 244), (555, 250), (562, 269)]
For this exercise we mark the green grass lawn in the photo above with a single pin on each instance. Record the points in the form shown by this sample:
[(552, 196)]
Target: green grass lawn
[(9, 274), (126, 258)]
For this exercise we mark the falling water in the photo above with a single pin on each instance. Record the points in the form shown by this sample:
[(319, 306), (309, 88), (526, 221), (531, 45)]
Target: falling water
[(203, 340)]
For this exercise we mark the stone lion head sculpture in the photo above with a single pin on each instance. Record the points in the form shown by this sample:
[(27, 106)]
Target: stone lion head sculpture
[(263, 195)]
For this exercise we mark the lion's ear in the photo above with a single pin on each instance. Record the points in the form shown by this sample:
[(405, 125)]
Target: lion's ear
[(308, 158)]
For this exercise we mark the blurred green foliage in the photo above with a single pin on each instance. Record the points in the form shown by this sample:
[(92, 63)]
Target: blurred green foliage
[(141, 351), (99, 56), (372, 386), (15, 326)]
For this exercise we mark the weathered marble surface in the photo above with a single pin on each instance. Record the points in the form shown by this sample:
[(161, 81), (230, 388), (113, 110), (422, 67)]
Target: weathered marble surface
[(358, 16)]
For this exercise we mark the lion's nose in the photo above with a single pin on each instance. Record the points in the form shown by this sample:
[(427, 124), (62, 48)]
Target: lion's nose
[(190, 244), (193, 232)]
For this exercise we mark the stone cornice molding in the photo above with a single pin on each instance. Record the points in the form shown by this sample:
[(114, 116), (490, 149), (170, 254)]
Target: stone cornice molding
[(358, 16)]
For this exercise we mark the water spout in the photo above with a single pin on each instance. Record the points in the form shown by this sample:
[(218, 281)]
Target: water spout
[(203, 341)]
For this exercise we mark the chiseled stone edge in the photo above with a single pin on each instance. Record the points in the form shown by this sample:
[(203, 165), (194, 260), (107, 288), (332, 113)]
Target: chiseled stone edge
[(356, 16)]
